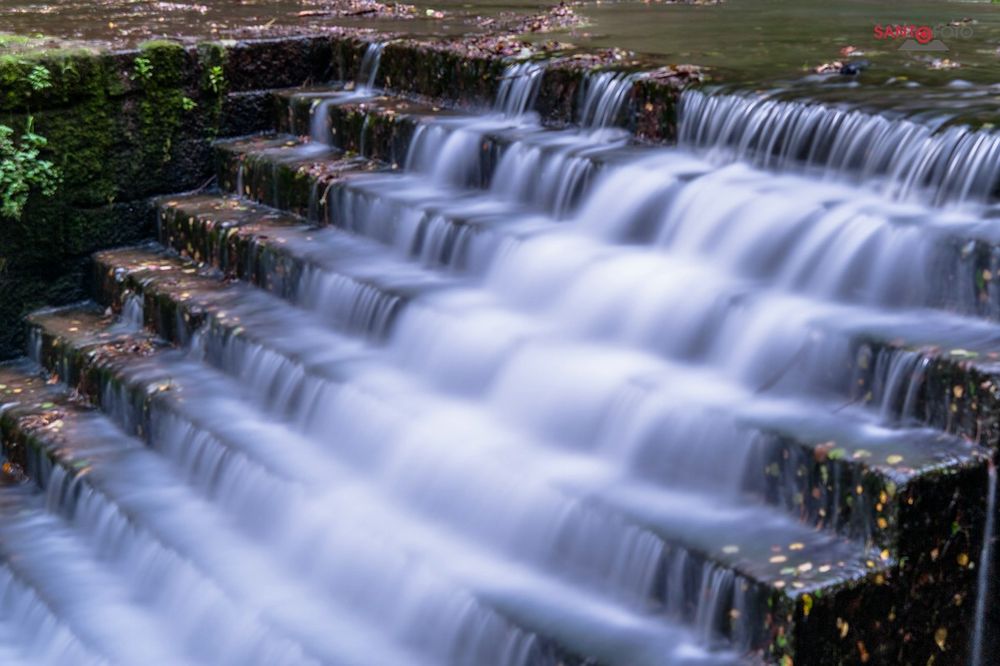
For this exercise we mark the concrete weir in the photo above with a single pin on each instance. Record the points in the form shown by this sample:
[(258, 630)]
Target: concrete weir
[(121, 138), (396, 354)]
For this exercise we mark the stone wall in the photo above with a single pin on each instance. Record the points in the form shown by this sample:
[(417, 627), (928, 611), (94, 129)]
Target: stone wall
[(122, 128)]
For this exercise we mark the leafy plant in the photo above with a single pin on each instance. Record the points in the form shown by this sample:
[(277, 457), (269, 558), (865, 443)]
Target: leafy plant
[(216, 79), (39, 78), (22, 170), (67, 66), (143, 68), (188, 104)]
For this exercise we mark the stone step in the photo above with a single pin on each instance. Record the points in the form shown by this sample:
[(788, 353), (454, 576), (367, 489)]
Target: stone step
[(492, 148), (111, 488), (192, 391), (440, 225), (383, 126), (378, 126), (909, 450), (399, 131), (388, 129), (954, 388), (287, 173), (199, 226), (878, 480), (311, 267), (473, 80)]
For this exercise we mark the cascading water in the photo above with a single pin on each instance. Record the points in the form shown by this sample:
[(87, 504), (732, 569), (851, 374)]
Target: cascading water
[(361, 88), (518, 88), (827, 257), (519, 415), (603, 98), (905, 158), (985, 573), (369, 66)]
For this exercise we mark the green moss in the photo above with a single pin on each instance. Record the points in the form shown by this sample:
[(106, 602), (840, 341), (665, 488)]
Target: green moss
[(160, 71), (81, 144), (169, 63), (8, 40), (15, 90), (117, 137), (68, 75), (213, 84)]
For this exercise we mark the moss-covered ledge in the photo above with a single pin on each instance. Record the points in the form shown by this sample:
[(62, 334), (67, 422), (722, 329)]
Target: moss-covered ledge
[(121, 128)]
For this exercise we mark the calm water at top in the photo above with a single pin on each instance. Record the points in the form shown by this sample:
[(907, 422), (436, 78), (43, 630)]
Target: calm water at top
[(782, 38), (776, 44), (751, 39), (772, 44)]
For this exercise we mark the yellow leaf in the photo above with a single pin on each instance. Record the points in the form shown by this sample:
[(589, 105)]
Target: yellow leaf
[(941, 637)]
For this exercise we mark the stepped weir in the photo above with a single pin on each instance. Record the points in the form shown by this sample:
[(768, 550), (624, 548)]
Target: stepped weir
[(420, 385)]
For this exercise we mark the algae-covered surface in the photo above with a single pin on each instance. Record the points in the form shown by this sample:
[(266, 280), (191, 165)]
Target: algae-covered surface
[(798, 49), (124, 23), (840, 52), (746, 40), (760, 40)]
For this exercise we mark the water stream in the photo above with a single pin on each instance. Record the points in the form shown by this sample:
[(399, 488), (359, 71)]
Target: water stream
[(523, 406), (984, 582)]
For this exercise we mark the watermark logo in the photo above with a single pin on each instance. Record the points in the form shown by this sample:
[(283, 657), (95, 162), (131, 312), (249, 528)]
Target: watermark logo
[(923, 37)]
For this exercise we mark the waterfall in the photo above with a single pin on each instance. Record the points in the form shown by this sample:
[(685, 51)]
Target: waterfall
[(983, 581), (369, 66), (363, 87), (519, 88), (539, 395), (603, 98), (319, 122), (902, 158), (133, 311)]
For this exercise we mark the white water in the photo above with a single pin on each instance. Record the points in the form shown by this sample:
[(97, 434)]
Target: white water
[(362, 88), (985, 572), (603, 98), (902, 158), (514, 411)]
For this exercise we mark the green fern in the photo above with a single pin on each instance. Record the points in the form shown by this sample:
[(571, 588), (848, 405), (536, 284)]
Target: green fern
[(22, 170), (143, 69), (39, 78)]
